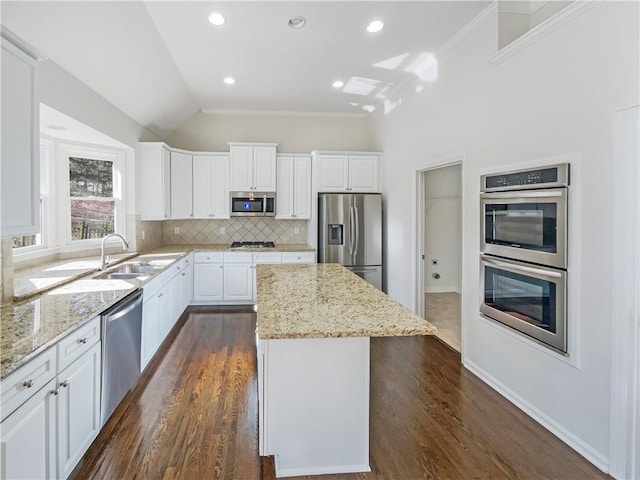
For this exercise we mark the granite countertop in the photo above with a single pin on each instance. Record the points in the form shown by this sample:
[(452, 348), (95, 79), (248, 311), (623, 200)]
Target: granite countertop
[(327, 300), (29, 326)]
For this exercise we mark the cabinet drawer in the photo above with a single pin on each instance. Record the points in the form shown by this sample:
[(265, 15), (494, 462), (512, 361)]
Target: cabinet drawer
[(208, 257), (267, 257), (19, 386), (238, 257), (299, 257), (77, 342)]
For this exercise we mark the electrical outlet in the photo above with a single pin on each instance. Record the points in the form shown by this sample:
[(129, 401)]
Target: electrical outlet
[(222, 230), (296, 230), (143, 234), (176, 230), (434, 261)]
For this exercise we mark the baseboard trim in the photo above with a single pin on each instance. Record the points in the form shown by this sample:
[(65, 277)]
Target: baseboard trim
[(297, 472), (584, 449), (443, 290)]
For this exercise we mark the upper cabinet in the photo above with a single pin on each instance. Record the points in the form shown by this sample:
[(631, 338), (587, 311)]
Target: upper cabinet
[(293, 198), (346, 172), (153, 181), (20, 146), (211, 186), (253, 167), (181, 185)]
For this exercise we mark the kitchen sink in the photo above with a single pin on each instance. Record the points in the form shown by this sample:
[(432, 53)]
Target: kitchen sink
[(126, 272)]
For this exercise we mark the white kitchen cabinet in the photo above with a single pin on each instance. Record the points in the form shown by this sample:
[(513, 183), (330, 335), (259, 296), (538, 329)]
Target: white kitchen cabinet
[(185, 289), (20, 146), (238, 277), (150, 326), (28, 443), (211, 186), (78, 407), (298, 257), (253, 167), (153, 181), (346, 173), (294, 187), (166, 310), (181, 185), (208, 282)]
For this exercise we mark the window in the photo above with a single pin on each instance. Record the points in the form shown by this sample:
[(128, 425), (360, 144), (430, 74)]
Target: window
[(92, 202)]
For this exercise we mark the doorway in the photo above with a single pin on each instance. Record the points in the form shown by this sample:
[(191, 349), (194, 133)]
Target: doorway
[(440, 243)]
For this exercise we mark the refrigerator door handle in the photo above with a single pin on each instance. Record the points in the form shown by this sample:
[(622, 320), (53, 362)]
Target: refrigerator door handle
[(351, 229), (357, 229)]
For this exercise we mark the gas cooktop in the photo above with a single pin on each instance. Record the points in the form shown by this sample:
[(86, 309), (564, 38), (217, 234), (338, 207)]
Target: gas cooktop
[(253, 245)]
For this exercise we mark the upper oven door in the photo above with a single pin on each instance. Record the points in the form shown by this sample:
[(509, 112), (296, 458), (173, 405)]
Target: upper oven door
[(526, 225)]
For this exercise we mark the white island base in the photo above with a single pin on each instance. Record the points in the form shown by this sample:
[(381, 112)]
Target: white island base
[(314, 404)]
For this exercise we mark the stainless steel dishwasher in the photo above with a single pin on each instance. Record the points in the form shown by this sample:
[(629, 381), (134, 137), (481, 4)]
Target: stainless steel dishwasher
[(121, 343)]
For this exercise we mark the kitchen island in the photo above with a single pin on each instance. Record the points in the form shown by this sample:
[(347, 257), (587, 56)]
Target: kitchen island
[(314, 323)]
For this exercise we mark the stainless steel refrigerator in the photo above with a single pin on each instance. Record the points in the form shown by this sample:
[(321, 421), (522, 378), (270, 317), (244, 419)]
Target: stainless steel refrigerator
[(350, 233)]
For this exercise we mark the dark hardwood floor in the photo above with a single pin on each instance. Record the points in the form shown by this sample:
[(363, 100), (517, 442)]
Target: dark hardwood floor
[(194, 415)]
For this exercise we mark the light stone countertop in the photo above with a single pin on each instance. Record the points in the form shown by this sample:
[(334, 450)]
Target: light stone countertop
[(30, 326), (327, 300)]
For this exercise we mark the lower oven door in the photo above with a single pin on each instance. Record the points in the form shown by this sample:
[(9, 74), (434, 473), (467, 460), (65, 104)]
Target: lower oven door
[(527, 298)]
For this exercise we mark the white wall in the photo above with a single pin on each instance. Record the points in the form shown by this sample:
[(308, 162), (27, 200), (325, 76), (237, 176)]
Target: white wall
[(294, 133), (556, 96), (443, 232)]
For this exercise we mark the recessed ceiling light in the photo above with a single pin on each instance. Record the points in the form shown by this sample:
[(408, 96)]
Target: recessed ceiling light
[(297, 22), (375, 26), (229, 80), (338, 84), (216, 19)]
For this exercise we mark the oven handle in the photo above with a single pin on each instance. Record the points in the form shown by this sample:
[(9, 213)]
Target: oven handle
[(522, 268), (525, 195)]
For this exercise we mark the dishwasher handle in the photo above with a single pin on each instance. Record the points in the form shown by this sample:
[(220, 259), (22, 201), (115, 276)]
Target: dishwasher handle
[(119, 311)]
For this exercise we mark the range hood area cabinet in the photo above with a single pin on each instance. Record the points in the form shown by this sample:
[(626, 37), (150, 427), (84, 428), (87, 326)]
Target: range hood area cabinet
[(293, 196), (20, 151), (253, 167), (352, 172)]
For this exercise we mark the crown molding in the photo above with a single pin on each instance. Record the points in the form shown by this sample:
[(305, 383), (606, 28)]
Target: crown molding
[(559, 20), (21, 44), (282, 113)]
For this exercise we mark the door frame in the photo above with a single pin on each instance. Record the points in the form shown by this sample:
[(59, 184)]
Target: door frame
[(419, 233), (624, 445)]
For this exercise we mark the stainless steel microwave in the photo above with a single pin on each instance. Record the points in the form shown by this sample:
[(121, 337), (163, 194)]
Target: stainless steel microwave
[(253, 204)]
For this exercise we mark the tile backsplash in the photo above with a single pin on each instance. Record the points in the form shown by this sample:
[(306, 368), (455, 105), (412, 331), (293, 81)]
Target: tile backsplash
[(247, 229)]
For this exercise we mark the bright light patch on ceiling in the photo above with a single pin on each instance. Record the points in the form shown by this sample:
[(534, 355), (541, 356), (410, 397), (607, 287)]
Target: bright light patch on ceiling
[(353, 104), (229, 80), (368, 108), (389, 106), (360, 86), (392, 63), (338, 84), (383, 91), (375, 26), (216, 19), (425, 66)]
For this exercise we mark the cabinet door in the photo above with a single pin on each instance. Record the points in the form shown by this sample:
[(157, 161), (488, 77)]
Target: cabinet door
[(181, 185), (153, 178), (78, 409), (264, 169), (202, 186), (333, 173), (285, 184), (166, 183), (220, 186), (150, 329), (165, 311), (20, 144), (28, 443), (208, 282), (302, 188), (185, 280), (363, 173), (241, 169), (238, 282)]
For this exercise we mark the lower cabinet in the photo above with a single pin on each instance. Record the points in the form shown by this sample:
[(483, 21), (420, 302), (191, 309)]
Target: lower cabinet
[(28, 444), (208, 281), (238, 282), (78, 395), (48, 434)]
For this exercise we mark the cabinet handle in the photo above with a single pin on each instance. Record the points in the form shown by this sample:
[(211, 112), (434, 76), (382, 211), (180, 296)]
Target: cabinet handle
[(178, 268), (65, 384), (83, 340), (184, 273), (54, 392), (28, 384), (160, 294), (221, 266)]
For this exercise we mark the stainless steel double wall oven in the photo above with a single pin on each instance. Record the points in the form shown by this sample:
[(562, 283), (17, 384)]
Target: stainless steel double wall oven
[(523, 262)]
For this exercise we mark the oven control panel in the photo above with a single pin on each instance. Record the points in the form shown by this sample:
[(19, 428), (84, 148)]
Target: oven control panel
[(548, 177)]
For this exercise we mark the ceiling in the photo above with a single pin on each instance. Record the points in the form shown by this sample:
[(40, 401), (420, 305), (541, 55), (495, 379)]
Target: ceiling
[(162, 61)]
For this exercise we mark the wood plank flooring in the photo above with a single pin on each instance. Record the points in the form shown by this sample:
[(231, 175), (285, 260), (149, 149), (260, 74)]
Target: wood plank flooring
[(194, 416)]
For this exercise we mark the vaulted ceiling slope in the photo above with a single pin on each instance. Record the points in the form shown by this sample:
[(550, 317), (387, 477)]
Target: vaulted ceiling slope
[(160, 62)]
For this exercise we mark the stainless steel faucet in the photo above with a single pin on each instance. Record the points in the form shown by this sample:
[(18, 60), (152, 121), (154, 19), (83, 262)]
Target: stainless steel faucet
[(104, 259)]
